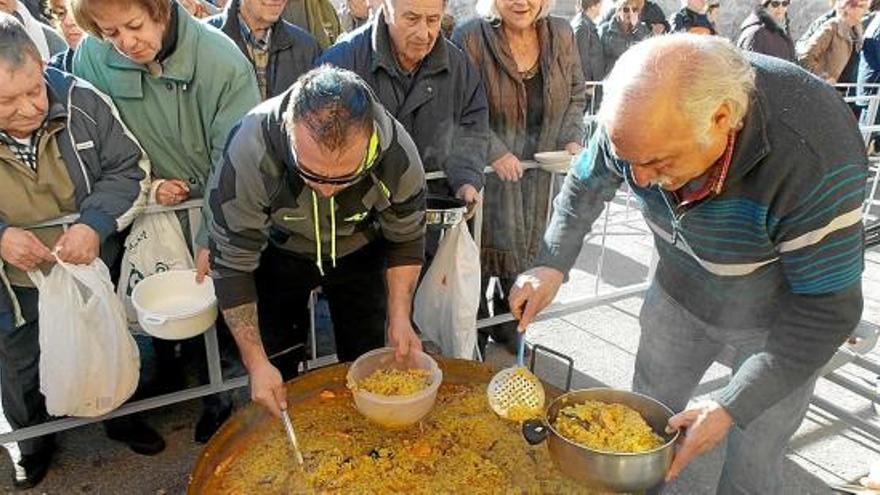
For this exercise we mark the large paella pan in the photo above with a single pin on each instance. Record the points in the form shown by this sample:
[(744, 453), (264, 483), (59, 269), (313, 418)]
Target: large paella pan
[(460, 446)]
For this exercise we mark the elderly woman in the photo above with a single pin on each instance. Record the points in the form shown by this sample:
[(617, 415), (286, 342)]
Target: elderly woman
[(622, 31), (766, 31), (835, 44), (67, 28), (535, 86), (180, 86)]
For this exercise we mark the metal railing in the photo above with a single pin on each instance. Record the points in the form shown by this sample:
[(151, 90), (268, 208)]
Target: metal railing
[(217, 383)]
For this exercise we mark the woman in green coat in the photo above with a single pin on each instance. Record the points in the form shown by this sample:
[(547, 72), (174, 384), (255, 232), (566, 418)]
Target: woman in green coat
[(180, 87)]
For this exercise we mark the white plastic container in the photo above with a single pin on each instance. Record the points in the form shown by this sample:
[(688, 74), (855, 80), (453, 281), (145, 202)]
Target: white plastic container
[(399, 411), (171, 305)]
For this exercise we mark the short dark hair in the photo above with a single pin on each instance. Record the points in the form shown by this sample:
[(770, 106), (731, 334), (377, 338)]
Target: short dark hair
[(587, 4), (15, 44), (332, 103)]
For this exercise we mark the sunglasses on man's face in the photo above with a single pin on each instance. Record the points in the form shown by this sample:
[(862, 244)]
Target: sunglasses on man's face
[(630, 10), (779, 3), (367, 162)]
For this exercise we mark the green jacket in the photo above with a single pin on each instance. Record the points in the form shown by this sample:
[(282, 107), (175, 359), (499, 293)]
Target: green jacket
[(181, 118)]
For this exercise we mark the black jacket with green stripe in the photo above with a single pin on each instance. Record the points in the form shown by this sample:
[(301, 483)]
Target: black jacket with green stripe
[(256, 197)]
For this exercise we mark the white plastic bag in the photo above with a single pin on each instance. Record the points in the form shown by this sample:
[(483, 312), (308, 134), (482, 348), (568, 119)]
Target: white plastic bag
[(89, 362), (155, 244), (445, 306)]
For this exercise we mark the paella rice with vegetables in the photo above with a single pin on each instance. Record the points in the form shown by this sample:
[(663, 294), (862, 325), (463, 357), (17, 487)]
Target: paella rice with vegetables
[(606, 427), (461, 446)]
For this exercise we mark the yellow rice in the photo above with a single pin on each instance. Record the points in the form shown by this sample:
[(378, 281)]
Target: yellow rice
[(612, 427), (395, 382)]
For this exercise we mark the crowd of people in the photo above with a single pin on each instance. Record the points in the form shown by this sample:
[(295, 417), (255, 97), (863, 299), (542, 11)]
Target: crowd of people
[(307, 134)]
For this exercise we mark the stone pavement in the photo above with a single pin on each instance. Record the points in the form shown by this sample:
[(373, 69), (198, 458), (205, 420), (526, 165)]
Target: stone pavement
[(602, 342)]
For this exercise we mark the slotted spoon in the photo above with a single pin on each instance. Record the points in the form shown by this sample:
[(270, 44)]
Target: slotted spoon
[(515, 393)]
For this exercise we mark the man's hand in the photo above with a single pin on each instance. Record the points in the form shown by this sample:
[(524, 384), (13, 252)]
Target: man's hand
[(508, 168), (203, 264), (533, 291), (267, 388), (23, 250), (471, 196), (706, 423), (573, 148), (171, 192), (403, 338), (80, 245)]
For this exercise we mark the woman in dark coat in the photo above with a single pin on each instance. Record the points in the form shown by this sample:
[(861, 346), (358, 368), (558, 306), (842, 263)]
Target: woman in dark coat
[(766, 31), (530, 65)]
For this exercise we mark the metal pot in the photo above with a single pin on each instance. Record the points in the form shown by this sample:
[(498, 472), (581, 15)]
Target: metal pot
[(599, 470)]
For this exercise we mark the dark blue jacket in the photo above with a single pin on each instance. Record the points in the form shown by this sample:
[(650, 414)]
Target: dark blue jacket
[(107, 166), (443, 107), (292, 51), (869, 62), (781, 246)]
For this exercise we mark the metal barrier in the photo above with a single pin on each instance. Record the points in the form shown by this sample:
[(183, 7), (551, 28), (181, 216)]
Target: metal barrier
[(217, 383)]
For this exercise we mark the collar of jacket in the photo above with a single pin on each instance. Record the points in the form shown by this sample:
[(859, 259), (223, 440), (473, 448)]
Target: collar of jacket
[(854, 33), (583, 19), (435, 62), (494, 33), (180, 65), (761, 17), (752, 143), (279, 41)]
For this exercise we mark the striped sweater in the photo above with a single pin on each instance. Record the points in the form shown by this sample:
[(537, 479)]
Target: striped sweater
[(781, 247)]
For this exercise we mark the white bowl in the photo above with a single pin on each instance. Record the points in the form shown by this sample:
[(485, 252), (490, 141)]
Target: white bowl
[(397, 411), (172, 306), (553, 157)]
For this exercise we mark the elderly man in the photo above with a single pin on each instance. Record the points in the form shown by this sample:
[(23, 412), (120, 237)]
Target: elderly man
[(429, 86), (753, 193), (319, 186), (62, 151), (279, 51), (692, 18)]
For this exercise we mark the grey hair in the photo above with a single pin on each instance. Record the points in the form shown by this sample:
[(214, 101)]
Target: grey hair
[(15, 44), (488, 9), (707, 71)]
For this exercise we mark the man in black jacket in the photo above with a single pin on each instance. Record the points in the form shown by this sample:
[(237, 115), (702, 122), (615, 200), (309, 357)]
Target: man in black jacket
[(279, 51), (427, 84)]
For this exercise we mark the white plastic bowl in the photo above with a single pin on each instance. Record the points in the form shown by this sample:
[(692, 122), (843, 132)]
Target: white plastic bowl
[(172, 306), (399, 411), (557, 162)]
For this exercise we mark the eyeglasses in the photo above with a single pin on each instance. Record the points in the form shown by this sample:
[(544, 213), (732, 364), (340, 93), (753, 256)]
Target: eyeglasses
[(59, 14), (779, 3), (370, 156), (630, 10)]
